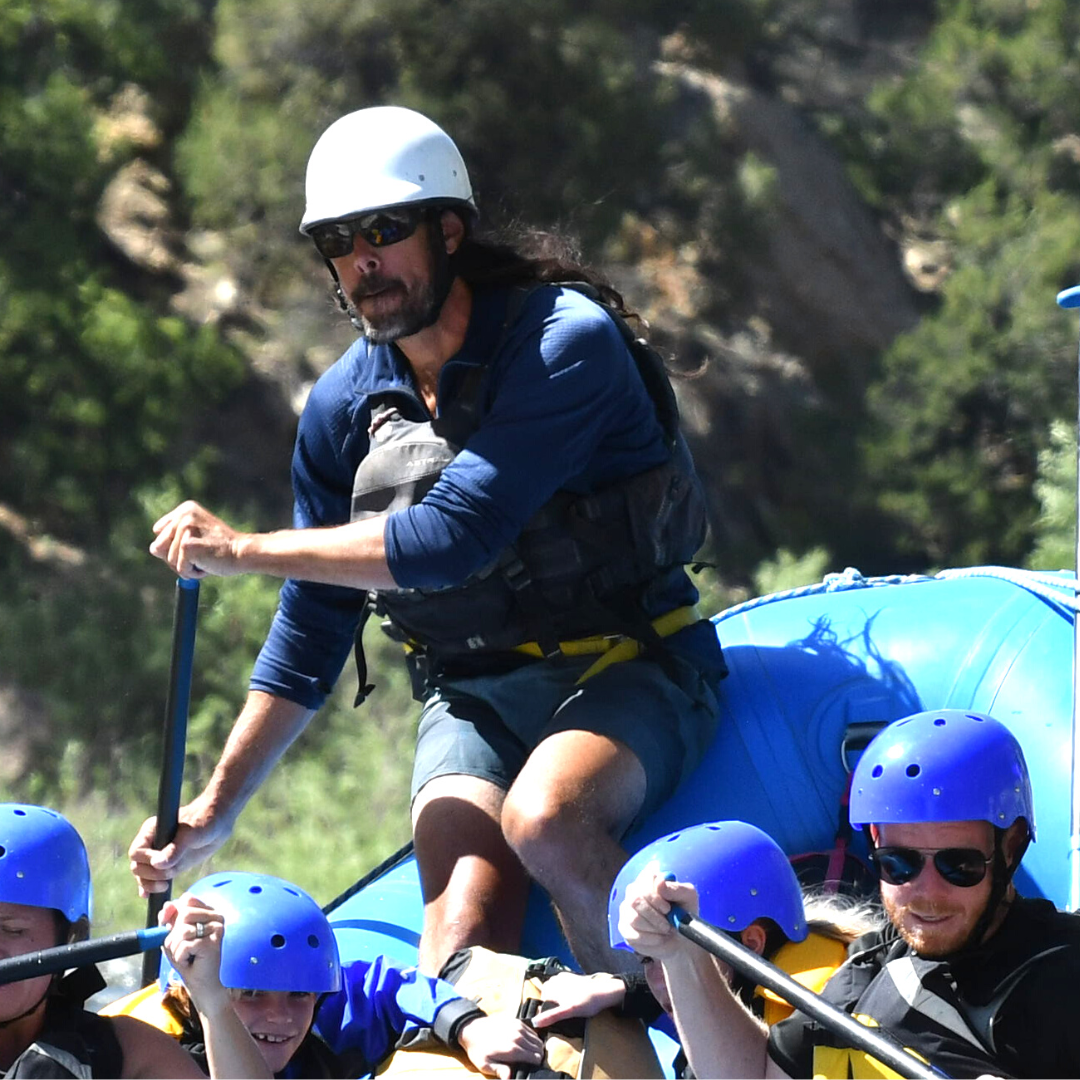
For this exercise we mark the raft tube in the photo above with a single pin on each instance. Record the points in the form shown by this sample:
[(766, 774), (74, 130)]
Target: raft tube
[(804, 666)]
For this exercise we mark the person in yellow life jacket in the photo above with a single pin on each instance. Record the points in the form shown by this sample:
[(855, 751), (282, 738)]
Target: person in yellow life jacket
[(45, 1030), (967, 975), (749, 888)]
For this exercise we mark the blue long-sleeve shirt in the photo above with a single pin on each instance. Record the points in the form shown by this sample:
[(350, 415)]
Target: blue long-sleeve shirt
[(379, 1001), (563, 408)]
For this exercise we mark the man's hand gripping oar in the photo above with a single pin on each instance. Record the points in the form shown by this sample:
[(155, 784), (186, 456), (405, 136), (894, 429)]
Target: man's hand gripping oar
[(768, 975)]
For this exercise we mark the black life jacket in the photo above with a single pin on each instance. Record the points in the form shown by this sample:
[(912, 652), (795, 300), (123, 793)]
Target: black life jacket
[(582, 565), (73, 1042)]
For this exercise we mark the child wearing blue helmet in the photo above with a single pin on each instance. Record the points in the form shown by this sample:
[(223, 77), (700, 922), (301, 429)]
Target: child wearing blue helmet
[(45, 901), (264, 945)]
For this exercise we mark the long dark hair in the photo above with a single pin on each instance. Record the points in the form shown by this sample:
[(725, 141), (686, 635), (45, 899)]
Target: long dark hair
[(518, 255), (513, 255)]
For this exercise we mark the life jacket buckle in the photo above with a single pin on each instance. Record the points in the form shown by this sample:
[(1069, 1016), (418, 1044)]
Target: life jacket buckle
[(516, 575)]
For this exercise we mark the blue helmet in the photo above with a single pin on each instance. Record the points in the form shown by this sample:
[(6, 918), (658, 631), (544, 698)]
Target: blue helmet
[(740, 873), (43, 861), (276, 937), (948, 765)]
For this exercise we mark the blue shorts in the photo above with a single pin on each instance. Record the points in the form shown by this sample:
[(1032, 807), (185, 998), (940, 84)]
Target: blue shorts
[(487, 725)]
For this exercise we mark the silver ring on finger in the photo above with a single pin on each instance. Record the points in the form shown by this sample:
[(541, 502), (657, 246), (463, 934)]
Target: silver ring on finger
[(200, 929)]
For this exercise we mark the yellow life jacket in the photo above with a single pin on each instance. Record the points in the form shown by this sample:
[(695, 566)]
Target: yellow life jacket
[(505, 985), (810, 963), (845, 1063), (146, 1005)]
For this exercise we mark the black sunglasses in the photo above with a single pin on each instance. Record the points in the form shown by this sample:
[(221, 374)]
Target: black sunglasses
[(381, 228), (962, 867)]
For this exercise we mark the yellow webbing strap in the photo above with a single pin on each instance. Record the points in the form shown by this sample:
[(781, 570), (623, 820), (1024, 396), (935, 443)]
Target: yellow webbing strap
[(832, 1063), (613, 649)]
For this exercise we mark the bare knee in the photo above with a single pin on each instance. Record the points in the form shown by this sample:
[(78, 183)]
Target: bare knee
[(539, 827), (576, 788)]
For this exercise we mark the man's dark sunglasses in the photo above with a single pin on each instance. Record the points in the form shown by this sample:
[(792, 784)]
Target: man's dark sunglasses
[(333, 239), (962, 867)]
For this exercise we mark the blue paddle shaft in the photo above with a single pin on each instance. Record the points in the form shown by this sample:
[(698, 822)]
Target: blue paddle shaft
[(175, 737), (80, 954), (176, 708)]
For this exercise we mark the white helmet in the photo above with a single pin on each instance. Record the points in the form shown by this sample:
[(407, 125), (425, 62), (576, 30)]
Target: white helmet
[(383, 156)]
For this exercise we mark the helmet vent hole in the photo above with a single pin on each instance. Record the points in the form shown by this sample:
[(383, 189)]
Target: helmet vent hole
[(878, 770), (292, 891), (421, 177), (913, 770), (20, 813), (674, 836), (3, 852), (313, 941), (255, 889), (278, 941), (939, 722)]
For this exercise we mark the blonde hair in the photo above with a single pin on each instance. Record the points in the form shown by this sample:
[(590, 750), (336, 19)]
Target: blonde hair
[(841, 917)]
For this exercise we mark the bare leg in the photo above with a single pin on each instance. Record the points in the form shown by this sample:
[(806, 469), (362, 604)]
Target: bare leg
[(576, 793), (474, 886)]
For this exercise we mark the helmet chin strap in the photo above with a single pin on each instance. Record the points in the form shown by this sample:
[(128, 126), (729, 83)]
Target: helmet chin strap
[(342, 302), (443, 275), (1001, 875)]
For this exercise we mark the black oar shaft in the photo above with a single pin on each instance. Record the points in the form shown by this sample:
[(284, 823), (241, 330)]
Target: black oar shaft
[(765, 974), (174, 746), (80, 954)]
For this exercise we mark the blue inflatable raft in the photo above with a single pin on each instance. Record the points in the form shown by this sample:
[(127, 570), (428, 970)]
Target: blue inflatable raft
[(804, 667)]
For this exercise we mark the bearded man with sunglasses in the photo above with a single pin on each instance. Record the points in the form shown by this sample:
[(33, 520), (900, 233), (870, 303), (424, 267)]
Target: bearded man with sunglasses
[(495, 468), (967, 974)]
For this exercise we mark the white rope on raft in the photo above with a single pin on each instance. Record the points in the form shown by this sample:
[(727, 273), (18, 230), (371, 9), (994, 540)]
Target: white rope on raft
[(1053, 587)]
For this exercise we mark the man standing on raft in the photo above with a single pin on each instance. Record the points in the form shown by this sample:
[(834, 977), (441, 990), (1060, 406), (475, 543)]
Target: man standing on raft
[(536, 569)]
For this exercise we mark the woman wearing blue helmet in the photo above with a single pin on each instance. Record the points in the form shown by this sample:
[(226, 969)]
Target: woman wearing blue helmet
[(264, 945), (45, 901)]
